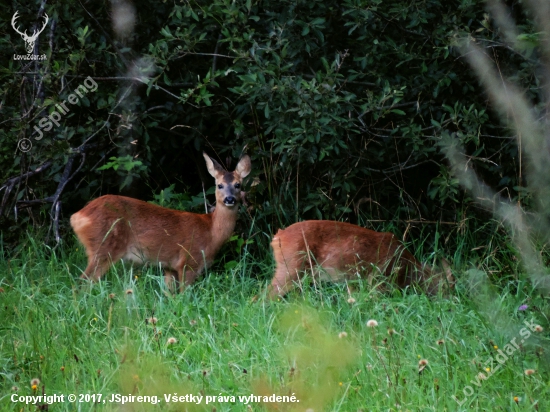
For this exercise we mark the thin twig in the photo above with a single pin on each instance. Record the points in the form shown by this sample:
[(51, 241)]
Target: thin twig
[(11, 182)]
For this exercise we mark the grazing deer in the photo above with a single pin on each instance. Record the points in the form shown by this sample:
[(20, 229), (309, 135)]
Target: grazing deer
[(117, 227), (336, 251)]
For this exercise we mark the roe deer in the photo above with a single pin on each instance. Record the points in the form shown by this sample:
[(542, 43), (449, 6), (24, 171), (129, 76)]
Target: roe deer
[(116, 227), (342, 251)]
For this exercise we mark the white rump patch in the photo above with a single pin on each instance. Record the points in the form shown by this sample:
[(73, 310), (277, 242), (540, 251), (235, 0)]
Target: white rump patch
[(79, 221)]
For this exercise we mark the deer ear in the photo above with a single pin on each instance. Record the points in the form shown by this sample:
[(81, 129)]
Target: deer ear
[(244, 166), (214, 167)]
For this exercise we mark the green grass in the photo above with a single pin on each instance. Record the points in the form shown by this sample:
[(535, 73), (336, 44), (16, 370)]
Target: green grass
[(96, 340)]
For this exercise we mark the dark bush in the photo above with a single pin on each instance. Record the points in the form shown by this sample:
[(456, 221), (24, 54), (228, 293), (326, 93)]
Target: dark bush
[(341, 105)]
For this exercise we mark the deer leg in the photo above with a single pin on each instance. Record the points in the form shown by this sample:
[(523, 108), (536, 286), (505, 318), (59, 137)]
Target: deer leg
[(190, 276), (277, 288), (286, 273), (186, 276), (102, 250), (97, 266), (170, 279)]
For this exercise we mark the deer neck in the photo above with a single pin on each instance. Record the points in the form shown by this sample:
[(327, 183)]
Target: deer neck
[(223, 224)]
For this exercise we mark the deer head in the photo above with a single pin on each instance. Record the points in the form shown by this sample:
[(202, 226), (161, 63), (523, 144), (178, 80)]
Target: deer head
[(29, 40)]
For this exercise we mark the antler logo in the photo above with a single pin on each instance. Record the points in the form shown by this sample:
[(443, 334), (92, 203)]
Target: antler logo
[(29, 40)]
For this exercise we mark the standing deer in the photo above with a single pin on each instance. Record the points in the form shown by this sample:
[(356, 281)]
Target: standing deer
[(337, 251), (117, 227)]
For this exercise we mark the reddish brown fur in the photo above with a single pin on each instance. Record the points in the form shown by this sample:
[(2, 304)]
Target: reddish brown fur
[(116, 227), (342, 249)]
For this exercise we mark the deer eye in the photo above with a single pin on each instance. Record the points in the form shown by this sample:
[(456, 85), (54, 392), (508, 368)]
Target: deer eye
[(237, 185), (220, 186)]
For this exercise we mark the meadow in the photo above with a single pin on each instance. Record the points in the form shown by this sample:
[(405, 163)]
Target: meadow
[(333, 347), (339, 104)]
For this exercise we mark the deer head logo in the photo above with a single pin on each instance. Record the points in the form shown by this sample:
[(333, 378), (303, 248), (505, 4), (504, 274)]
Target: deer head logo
[(29, 40)]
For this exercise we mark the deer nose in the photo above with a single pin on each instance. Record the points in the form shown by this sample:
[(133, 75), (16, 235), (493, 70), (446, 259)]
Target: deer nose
[(229, 201)]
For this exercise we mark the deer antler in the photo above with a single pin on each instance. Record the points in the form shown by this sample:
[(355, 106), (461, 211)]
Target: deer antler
[(35, 32), (15, 16)]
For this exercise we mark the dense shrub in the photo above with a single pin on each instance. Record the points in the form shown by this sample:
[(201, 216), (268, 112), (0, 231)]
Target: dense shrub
[(341, 105)]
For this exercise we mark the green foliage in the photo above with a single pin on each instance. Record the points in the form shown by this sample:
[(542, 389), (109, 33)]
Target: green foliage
[(129, 168), (445, 186), (181, 201), (336, 101)]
